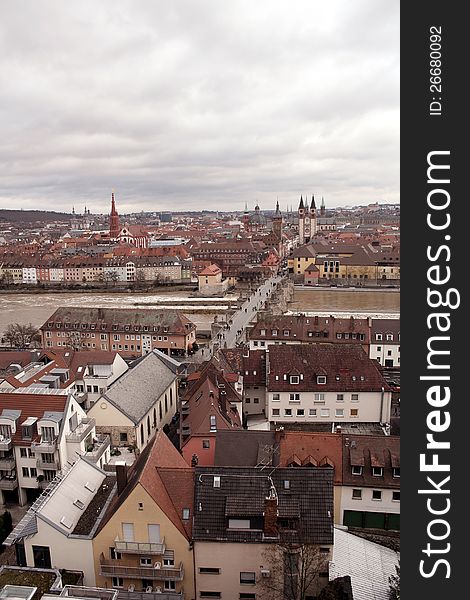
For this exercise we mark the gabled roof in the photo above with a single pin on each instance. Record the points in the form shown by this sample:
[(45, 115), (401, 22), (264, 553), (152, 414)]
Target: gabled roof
[(135, 392), (165, 475), (242, 492), (347, 368)]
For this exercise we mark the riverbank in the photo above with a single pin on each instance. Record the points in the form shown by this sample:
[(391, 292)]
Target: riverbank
[(118, 289)]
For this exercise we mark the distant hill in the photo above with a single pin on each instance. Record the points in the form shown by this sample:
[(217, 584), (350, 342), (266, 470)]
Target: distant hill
[(31, 216)]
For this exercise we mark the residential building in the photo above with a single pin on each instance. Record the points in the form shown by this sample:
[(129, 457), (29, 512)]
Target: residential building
[(41, 430), (247, 519), (303, 329), (139, 403), (370, 494), (385, 342), (210, 404), (211, 282), (143, 543), (132, 333), (59, 530), (325, 383)]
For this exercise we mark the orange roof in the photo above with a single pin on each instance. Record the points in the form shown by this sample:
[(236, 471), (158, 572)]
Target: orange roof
[(211, 270), (316, 445)]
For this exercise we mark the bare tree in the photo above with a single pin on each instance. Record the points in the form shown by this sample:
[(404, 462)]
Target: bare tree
[(394, 581), (295, 572), (74, 340), (22, 336)]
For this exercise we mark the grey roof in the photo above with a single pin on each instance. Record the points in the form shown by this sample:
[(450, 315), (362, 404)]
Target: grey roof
[(244, 448), (53, 416), (368, 564), (11, 413), (139, 388), (242, 494)]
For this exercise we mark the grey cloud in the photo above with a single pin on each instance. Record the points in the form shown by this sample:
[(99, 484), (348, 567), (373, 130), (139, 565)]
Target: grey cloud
[(198, 104)]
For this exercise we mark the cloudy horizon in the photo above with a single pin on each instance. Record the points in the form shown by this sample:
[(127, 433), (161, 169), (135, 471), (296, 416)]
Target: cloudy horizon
[(191, 105)]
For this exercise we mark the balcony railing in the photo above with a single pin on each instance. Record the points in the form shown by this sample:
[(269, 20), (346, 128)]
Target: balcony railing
[(7, 463), (5, 444), (140, 547), (150, 596), (46, 464), (44, 446), (113, 568), (81, 431), (100, 445), (7, 483)]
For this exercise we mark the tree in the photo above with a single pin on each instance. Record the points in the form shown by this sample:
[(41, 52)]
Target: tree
[(22, 336), (296, 571), (7, 278), (394, 581), (74, 340)]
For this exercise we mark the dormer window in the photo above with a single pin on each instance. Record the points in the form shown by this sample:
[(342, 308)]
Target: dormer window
[(274, 332), (263, 332), (378, 336), (389, 337), (286, 332), (213, 423), (321, 379), (377, 471), (396, 471), (294, 379), (356, 470)]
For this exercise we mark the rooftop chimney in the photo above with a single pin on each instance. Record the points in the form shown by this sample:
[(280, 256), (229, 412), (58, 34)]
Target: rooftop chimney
[(279, 433), (270, 528), (338, 428), (121, 476)]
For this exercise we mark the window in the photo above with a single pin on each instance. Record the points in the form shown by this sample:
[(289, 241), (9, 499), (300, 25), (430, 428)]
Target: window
[(25, 471), (339, 397), (247, 578), (118, 582), (276, 412), (247, 596), (145, 561), (209, 570), (294, 397), (379, 348), (33, 472), (169, 584), (324, 412), (377, 471), (204, 594), (206, 443), (128, 532), (357, 494), (312, 412), (276, 397), (169, 558), (288, 412), (356, 470), (239, 523), (321, 379), (339, 412), (396, 496), (213, 423), (186, 513), (294, 379), (396, 471), (23, 452), (300, 412), (378, 336), (376, 495), (123, 437), (354, 412), (286, 332)]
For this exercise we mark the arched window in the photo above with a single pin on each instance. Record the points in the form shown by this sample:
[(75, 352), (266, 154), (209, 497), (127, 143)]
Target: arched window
[(142, 434), (171, 396), (166, 404), (148, 426), (154, 417), (160, 409)]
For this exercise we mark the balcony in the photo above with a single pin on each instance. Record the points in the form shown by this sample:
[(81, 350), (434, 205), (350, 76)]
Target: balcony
[(150, 596), (100, 445), (8, 483), (7, 463), (44, 446), (81, 431), (140, 547), (5, 444), (115, 568), (46, 464)]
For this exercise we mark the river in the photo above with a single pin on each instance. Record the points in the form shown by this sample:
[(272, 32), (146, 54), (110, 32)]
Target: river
[(37, 308)]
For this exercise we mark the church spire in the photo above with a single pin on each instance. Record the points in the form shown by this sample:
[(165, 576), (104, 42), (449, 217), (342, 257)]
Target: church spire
[(301, 205)]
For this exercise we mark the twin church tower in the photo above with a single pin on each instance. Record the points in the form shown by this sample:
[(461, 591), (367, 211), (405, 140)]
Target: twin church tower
[(308, 224)]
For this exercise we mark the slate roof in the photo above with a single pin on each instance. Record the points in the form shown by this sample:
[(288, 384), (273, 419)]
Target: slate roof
[(346, 366), (310, 497), (135, 392), (245, 448)]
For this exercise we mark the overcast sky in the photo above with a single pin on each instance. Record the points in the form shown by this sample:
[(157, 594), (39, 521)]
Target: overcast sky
[(192, 104)]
